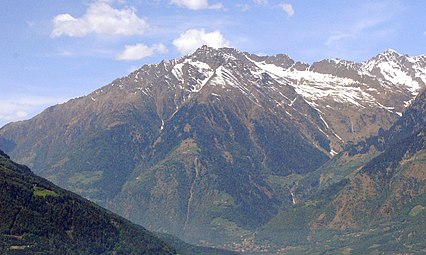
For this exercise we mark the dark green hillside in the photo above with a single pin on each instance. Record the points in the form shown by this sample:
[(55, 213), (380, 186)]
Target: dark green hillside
[(37, 217)]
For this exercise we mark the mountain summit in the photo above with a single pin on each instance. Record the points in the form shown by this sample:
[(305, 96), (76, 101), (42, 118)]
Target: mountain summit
[(202, 146)]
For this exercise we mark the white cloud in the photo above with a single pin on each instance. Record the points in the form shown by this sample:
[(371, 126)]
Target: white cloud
[(261, 2), (366, 26), (100, 18), (336, 37), (195, 38), (65, 53), (361, 30), (287, 8), (13, 115), (196, 4), (30, 23), (22, 108), (243, 7), (140, 51)]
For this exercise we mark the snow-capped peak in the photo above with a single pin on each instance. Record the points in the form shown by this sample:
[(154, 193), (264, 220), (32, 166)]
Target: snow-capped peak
[(345, 81), (317, 93), (398, 69), (390, 51)]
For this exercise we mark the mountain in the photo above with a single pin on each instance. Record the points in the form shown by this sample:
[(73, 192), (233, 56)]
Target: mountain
[(207, 146), (39, 218), (371, 198), (393, 178)]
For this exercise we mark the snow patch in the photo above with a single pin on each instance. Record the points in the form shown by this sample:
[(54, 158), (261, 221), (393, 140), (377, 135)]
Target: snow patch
[(162, 125), (314, 86), (293, 198), (324, 121), (408, 103), (177, 72), (392, 72), (202, 68), (338, 137)]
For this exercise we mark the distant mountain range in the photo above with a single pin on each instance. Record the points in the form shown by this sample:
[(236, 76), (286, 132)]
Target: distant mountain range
[(216, 145)]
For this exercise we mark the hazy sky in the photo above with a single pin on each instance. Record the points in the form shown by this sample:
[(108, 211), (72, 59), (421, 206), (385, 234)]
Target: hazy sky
[(55, 50)]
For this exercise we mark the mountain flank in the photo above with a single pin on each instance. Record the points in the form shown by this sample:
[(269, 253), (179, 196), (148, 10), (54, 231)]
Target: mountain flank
[(39, 218), (209, 147), (369, 199)]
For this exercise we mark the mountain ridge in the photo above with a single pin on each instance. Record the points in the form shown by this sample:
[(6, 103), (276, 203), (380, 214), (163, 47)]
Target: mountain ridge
[(219, 131)]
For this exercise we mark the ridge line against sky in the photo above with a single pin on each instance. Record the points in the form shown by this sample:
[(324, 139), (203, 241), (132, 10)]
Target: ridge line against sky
[(59, 50)]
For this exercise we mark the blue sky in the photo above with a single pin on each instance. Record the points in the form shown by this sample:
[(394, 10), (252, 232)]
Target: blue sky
[(54, 50)]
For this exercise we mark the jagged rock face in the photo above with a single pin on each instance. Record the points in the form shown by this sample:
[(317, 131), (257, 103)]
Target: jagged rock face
[(187, 146)]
